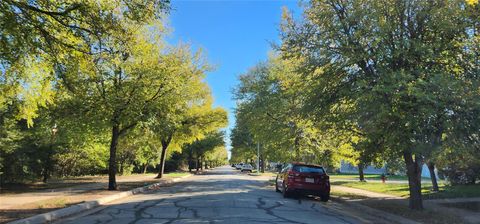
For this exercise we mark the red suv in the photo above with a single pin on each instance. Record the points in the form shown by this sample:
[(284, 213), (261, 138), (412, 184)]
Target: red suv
[(299, 178)]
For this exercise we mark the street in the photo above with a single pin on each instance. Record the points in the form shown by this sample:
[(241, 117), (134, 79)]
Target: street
[(222, 195)]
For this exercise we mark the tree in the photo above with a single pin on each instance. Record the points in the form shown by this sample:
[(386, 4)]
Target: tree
[(121, 90), (206, 147), (191, 120), (75, 43), (37, 35), (382, 60), (218, 156), (271, 111)]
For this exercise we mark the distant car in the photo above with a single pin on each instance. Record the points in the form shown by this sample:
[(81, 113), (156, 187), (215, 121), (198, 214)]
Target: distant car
[(299, 178), (239, 166), (233, 164), (247, 168)]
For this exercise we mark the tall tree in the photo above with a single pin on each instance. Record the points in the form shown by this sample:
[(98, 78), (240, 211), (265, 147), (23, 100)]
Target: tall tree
[(192, 117), (270, 110), (206, 147), (121, 90), (383, 59), (36, 35)]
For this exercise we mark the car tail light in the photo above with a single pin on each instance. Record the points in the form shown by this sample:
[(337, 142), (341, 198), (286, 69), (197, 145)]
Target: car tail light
[(291, 174)]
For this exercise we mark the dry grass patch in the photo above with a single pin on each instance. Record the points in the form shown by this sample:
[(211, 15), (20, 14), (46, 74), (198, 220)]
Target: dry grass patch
[(400, 207)]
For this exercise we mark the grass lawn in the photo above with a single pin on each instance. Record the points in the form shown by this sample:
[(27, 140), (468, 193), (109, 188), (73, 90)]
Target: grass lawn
[(352, 176), (55, 183), (402, 189), (368, 176), (176, 174), (266, 173), (348, 195), (459, 191)]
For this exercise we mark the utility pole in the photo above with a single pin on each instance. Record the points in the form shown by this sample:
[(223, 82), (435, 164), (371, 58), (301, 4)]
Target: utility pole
[(258, 157)]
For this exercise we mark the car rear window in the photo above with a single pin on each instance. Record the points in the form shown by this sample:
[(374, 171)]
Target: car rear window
[(308, 169)]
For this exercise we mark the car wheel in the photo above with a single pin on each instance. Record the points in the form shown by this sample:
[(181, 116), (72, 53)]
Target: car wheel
[(325, 197), (285, 192), (276, 185)]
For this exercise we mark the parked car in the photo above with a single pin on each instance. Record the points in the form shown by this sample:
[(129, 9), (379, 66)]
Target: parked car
[(239, 166), (247, 168), (299, 178), (233, 164)]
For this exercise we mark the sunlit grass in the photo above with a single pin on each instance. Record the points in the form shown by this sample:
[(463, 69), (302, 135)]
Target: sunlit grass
[(402, 190), (459, 191), (176, 174), (54, 203), (368, 176), (352, 176), (266, 173)]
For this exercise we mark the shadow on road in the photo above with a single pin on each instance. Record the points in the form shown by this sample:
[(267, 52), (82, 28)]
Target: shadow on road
[(212, 198)]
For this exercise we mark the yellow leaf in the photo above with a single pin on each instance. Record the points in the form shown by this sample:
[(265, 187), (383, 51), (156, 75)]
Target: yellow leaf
[(472, 2)]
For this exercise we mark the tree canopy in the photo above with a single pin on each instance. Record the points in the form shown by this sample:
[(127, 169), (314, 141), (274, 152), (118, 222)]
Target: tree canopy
[(367, 82), (90, 86)]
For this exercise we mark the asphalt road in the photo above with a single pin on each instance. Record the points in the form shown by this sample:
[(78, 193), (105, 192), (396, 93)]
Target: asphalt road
[(222, 195)]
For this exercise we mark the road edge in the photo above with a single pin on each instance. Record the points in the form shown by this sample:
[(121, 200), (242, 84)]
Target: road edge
[(82, 207)]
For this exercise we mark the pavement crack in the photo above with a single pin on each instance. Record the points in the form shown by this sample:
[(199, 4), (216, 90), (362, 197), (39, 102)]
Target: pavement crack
[(261, 205), (181, 209), (140, 210)]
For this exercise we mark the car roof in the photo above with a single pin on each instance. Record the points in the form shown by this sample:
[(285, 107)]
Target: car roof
[(305, 164)]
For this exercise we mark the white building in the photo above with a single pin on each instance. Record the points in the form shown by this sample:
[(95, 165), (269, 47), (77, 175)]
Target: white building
[(349, 168)]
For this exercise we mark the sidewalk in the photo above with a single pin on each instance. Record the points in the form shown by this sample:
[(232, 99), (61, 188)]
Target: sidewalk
[(15, 200), (20, 205)]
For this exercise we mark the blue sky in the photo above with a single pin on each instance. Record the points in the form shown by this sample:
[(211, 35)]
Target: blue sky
[(234, 34)]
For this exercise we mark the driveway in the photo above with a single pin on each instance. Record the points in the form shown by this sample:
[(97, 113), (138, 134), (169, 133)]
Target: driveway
[(222, 195)]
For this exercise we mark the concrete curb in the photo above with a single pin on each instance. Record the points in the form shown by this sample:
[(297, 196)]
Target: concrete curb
[(68, 211)]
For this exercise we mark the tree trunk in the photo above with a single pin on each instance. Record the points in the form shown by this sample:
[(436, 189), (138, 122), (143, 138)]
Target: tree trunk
[(162, 161), (197, 164), (262, 164), (46, 168), (112, 163), (45, 175), (165, 143), (360, 172), (201, 163), (190, 161), (120, 169), (206, 165), (431, 168), (145, 168), (414, 172)]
